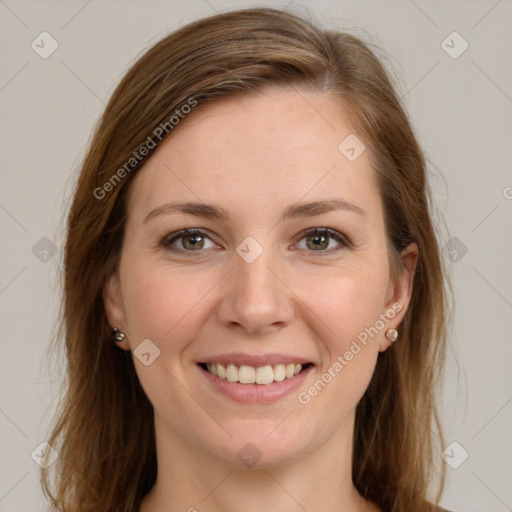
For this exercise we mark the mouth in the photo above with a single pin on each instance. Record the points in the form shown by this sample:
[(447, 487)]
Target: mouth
[(260, 375), (254, 384)]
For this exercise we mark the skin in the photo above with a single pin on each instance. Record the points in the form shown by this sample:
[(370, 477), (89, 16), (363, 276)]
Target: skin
[(254, 155)]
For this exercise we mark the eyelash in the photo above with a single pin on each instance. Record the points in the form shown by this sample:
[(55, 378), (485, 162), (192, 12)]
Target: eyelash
[(168, 240)]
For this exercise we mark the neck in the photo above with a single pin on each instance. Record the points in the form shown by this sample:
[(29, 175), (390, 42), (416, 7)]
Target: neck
[(192, 480)]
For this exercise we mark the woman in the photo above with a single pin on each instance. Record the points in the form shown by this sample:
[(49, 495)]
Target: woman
[(254, 302)]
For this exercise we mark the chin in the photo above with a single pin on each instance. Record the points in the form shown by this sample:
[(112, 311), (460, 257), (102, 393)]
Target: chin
[(260, 444)]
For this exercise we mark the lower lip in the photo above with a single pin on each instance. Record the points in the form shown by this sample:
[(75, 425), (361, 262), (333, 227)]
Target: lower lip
[(256, 393)]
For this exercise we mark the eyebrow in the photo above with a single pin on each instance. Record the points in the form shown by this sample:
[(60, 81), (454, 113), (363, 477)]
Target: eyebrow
[(296, 210)]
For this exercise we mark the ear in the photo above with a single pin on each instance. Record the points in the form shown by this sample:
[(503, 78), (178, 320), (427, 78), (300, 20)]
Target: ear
[(400, 291), (114, 309)]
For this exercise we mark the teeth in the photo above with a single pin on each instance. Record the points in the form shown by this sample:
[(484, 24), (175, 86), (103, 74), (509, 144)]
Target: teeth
[(250, 375), (264, 375), (279, 372), (246, 374), (232, 373)]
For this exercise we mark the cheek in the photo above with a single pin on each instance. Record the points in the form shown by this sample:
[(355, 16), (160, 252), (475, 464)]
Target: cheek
[(160, 302), (166, 306), (347, 307), (347, 302)]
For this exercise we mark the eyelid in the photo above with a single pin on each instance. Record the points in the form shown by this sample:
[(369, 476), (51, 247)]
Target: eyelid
[(333, 233), (176, 235)]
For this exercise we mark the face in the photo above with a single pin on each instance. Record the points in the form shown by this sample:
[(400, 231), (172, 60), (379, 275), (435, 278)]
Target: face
[(287, 265)]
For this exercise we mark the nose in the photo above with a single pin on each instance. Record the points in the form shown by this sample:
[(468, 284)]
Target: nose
[(256, 298)]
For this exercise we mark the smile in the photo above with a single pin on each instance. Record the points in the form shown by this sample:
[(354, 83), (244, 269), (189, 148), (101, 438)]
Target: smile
[(260, 383), (245, 374)]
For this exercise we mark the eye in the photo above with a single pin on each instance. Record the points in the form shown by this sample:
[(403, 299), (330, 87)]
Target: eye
[(190, 240), (318, 240)]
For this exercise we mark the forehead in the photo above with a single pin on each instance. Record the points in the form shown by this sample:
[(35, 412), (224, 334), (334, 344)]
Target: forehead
[(256, 150)]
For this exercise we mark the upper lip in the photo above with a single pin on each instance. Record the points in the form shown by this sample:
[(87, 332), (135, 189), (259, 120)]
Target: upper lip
[(256, 361)]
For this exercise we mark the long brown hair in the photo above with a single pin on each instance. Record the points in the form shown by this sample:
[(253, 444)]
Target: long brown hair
[(104, 430)]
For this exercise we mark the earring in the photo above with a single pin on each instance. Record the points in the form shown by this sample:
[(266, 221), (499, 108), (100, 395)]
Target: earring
[(392, 334), (118, 335)]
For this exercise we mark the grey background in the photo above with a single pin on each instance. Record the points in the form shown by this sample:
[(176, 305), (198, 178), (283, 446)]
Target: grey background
[(461, 109)]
